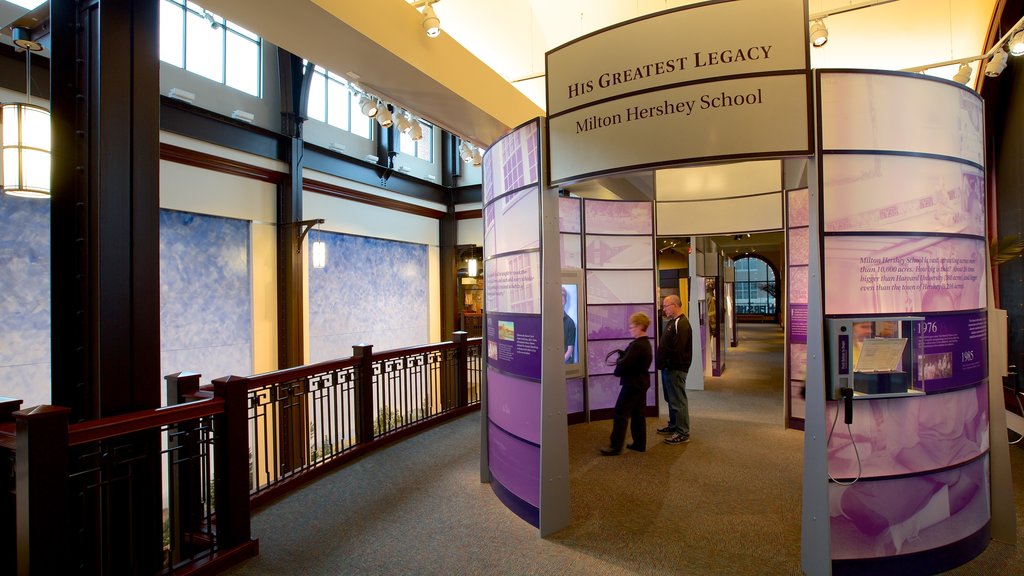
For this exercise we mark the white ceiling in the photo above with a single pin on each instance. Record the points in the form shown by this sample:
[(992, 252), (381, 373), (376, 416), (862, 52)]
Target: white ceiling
[(511, 36), (468, 79)]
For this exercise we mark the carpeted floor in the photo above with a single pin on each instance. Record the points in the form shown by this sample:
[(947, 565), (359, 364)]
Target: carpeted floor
[(726, 503)]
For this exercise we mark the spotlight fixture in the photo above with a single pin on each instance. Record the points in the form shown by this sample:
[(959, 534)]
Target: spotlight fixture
[(384, 117), (368, 106), (963, 74), (1017, 44), (416, 132), (997, 64), (403, 123), (819, 33), (466, 151), (478, 158), (431, 24)]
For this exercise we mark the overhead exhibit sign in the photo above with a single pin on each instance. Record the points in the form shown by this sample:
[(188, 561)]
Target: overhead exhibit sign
[(715, 81)]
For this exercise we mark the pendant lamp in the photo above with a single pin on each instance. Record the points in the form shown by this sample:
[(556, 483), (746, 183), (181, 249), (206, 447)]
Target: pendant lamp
[(26, 138)]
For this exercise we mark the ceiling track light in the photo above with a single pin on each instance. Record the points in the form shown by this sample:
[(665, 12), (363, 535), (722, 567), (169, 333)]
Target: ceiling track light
[(403, 123), (1016, 45), (416, 132), (996, 65), (963, 74), (431, 23), (368, 106), (466, 151), (819, 33), (384, 117)]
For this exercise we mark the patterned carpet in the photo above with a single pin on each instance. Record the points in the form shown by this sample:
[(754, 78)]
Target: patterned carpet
[(726, 503)]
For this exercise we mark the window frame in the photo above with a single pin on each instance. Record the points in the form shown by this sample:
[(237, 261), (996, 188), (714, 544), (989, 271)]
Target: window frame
[(223, 27)]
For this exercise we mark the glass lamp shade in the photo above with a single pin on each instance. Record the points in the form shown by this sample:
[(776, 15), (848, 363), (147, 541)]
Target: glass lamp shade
[(26, 150), (319, 254), (472, 267)]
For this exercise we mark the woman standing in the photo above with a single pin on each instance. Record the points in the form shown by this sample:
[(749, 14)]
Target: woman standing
[(632, 369)]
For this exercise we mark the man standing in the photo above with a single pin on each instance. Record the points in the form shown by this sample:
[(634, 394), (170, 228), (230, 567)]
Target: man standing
[(675, 352)]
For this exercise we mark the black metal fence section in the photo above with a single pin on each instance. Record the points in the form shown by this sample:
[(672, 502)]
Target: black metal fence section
[(89, 495), (306, 420), (170, 490)]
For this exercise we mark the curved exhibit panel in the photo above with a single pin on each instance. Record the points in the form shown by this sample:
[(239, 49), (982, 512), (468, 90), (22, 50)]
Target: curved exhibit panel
[(884, 111), (601, 355), (513, 283), (797, 208), (733, 180), (936, 196), (620, 252), (720, 216), (886, 519), (903, 274), (512, 223), (618, 286), (617, 217), (512, 162), (570, 250), (612, 321), (515, 465), (569, 215), (514, 405), (604, 390), (896, 436), (903, 238)]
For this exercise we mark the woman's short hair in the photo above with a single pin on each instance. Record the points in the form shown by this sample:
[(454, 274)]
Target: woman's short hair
[(641, 320)]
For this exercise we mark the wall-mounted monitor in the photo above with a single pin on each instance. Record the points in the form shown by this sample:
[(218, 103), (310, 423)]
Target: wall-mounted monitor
[(574, 342)]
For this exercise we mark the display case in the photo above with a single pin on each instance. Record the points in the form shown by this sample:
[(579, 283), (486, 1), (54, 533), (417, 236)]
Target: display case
[(874, 356)]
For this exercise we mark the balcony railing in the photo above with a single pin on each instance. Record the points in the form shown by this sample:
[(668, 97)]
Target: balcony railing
[(86, 498)]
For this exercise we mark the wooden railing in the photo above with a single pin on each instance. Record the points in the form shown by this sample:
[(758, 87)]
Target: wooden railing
[(85, 498)]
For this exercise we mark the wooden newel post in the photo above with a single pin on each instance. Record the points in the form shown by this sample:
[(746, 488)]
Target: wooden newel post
[(42, 490), (184, 479), (231, 462), (181, 387), (8, 406), (364, 392), (462, 383)]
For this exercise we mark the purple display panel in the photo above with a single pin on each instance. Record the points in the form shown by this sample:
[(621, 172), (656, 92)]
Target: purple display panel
[(571, 250), (604, 391), (513, 283), (798, 324), (598, 350), (512, 162), (950, 124), (620, 252), (798, 284), (798, 246), (618, 286), (910, 434), (514, 404), (954, 351), (796, 208), (880, 518), (512, 223), (933, 195), (901, 275), (515, 463), (513, 344), (574, 396), (569, 215), (797, 399), (618, 217), (798, 361), (612, 321)]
